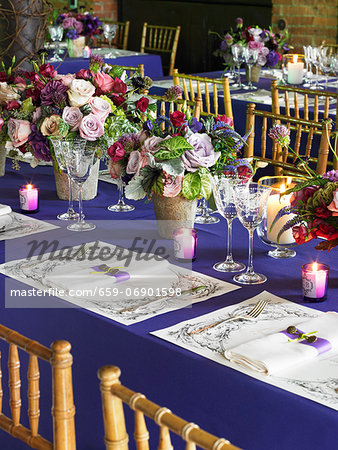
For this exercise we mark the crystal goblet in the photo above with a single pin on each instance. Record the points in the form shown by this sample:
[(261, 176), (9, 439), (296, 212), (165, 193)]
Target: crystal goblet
[(238, 57), (222, 187), (121, 206), (250, 201), (56, 33), (109, 32), (250, 57), (205, 217)]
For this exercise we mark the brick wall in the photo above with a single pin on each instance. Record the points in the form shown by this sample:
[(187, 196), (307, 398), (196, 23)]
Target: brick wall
[(309, 21), (105, 9)]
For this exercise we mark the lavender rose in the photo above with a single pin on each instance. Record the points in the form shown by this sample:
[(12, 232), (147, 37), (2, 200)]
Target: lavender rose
[(73, 116), (151, 144), (18, 131), (91, 128), (172, 186), (100, 107), (203, 154), (136, 161)]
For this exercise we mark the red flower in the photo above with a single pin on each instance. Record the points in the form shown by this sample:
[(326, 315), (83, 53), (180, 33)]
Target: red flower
[(34, 93), (3, 77), (300, 234), (225, 119), (322, 211), (244, 172), (177, 118), (142, 104), (303, 195), (327, 231), (47, 70), (13, 104), (83, 74), (118, 100), (119, 87), (116, 151)]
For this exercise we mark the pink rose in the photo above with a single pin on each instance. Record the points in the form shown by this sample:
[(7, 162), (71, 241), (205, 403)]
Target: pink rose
[(20, 84), (142, 136), (136, 161), (103, 81), (71, 22), (100, 107), (91, 128), (84, 74), (114, 169), (152, 144), (18, 131), (37, 114), (116, 151), (228, 120), (333, 206), (1, 123), (73, 116), (256, 45), (66, 79), (172, 186)]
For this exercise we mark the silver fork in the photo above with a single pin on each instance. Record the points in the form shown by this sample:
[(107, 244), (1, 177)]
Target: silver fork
[(250, 316)]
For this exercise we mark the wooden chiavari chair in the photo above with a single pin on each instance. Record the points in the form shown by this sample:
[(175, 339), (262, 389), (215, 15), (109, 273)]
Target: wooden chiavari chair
[(305, 99), (161, 39), (332, 48), (63, 410), (121, 37), (134, 70), (165, 107), (114, 394), (196, 86), (282, 159)]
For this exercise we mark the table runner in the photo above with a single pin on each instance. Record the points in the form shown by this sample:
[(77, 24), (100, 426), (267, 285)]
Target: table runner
[(316, 380)]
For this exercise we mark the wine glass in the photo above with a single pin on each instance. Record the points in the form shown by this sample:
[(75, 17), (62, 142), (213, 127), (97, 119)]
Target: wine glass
[(307, 58), (315, 57), (121, 206), (205, 217), (61, 147), (250, 57), (222, 187), (109, 31), (79, 160), (238, 57), (250, 201), (56, 33), (326, 67)]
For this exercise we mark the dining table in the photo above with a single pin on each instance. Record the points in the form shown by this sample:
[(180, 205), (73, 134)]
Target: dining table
[(152, 63), (250, 413)]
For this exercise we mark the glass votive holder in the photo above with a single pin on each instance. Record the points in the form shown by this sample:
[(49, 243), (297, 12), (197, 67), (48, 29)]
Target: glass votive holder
[(293, 68), (29, 198), (314, 280), (185, 244)]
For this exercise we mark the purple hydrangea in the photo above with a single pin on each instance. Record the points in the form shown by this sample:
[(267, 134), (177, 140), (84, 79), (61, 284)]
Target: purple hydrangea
[(39, 144), (54, 93)]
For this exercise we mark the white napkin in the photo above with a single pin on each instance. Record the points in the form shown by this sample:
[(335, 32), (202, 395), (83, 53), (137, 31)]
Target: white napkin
[(5, 217), (276, 352)]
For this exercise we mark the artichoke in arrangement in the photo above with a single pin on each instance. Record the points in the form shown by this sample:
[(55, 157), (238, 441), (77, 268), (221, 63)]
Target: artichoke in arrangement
[(322, 195)]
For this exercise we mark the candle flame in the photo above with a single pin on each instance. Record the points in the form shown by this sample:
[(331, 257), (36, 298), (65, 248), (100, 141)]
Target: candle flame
[(295, 57), (282, 188), (315, 267), (29, 187)]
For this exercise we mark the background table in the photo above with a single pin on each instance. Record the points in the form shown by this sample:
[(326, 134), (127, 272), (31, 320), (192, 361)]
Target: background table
[(251, 414), (152, 63)]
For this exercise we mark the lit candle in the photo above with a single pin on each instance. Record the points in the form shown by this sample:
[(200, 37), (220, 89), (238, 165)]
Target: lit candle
[(295, 71), (29, 198), (274, 204), (185, 241), (86, 52), (314, 280)]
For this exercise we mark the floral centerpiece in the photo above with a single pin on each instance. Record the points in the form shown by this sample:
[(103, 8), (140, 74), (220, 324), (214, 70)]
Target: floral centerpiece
[(93, 104), (271, 45), (76, 25), (314, 203)]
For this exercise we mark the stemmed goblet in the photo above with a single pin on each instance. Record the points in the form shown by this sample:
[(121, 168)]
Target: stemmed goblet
[(315, 58), (250, 201), (61, 147), (205, 217), (326, 67), (308, 70), (222, 187), (109, 31), (250, 57), (121, 206), (238, 57), (56, 33), (79, 160)]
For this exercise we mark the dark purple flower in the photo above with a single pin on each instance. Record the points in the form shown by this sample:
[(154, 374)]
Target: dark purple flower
[(72, 34), (264, 34), (148, 125), (272, 58), (224, 46), (39, 144), (286, 47), (195, 126), (54, 93)]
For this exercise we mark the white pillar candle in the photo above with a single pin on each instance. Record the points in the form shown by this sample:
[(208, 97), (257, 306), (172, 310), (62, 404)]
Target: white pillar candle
[(274, 204), (295, 71)]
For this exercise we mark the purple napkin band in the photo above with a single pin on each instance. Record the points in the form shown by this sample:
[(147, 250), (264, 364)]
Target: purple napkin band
[(321, 345), (120, 276)]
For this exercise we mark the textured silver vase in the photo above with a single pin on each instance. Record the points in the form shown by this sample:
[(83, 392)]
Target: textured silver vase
[(173, 213), (89, 190)]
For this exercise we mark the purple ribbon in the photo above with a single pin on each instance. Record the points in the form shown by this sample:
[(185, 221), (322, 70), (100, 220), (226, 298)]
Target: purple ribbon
[(112, 272), (320, 344)]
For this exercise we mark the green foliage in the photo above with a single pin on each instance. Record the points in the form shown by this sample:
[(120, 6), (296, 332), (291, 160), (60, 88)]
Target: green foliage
[(150, 176), (134, 189), (192, 185), (173, 148), (206, 187)]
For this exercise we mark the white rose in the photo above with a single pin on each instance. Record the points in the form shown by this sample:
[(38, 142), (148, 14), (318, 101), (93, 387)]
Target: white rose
[(80, 92), (7, 93)]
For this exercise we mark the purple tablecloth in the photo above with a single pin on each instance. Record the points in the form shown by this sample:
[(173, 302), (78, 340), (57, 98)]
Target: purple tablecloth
[(251, 414), (152, 64)]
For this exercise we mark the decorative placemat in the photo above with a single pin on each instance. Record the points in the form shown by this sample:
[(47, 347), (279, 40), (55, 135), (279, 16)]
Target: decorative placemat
[(23, 226), (316, 380), (124, 286)]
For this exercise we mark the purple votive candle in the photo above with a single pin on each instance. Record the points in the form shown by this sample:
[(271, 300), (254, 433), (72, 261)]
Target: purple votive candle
[(29, 198), (314, 280), (185, 244)]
